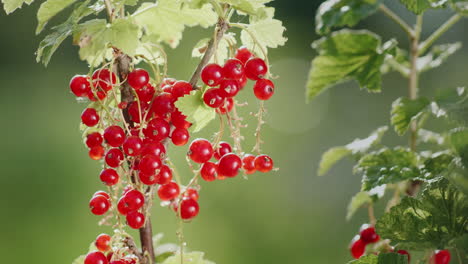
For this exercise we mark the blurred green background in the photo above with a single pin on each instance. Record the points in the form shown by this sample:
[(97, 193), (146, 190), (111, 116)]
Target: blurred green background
[(291, 216)]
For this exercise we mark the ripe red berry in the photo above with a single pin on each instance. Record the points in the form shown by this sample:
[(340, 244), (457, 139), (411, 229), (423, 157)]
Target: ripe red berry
[(132, 146), (179, 120), (357, 247), (102, 243), (135, 219), (80, 86), (164, 176), (227, 106), (149, 164), (158, 129), (102, 193), (134, 110), (181, 88), (114, 136), (168, 81), (95, 257), (155, 148), (212, 74), (248, 164), (191, 193), (223, 149), (200, 150), (100, 95), (233, 69), (213, 98), (122, 206), (242, 82), (368, 234), (109, 177), (168, 191), (99, 204), (180, 136), (134, 200), (229, 88), (255, 69), (208, 171), (94, 139), (90, 117), (96, 153), (146, 93), (264, 89), (104, 79), (148, 179), (163, 104), (114, 157), (189, 209), (404, 252), (441, 257), (263, 163), (243, 54), (167, 88), (138, 78), (229, 165)]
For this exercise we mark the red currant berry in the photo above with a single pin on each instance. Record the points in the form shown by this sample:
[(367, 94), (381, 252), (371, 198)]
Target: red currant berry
[(109, 256), (155, 148), (229, 165), (255, 69), (135, 219), (96, 153), (200, 150), (212, 74), (179, 120), (135, 110), (122, 206), (95, 257), (243, 54), (109, 177), (180, 136), (146, 93), (99, 205), (132, 146), (114, 136), (233, 69), (441, 257), (138, 78), (167, 89), (102, 193), (189, 209), (94, 139), (181, 88), (357, 248), (223, 149), (242, 82), (90, 117), (164, 176), (134, 200), (104, 79), (149, 164), (229, 88), (248, 164), (191, 193), (213, 98), (208, 171), (80, 86), (168, 81), (163, 104), (263, 163), (264, 89), (102, 242), (158, 129), (114, 157), (404, 252), (226, 107), (100, 95), (368, 235), (148, 179), (168, 191)]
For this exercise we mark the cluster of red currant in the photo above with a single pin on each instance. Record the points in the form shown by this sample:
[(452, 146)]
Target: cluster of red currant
[(104, 253)]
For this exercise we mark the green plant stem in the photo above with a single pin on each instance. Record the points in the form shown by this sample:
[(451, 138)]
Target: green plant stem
[(438, 33), (108, 5), (389, 13)]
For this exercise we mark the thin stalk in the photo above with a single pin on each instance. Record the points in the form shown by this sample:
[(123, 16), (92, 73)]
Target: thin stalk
[(389, 13), (438, 33)]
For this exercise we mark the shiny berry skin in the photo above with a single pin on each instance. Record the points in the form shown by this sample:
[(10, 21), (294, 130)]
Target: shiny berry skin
[(109, 256), (213, 97), (104, 79), (95, 257), (134, 200), (122, 206), (368, 235), (229, 88), (212, 74), (229, 165), (167, 89), (191, 193), (168, 191), (223, 149), (179, 120), (99, 205), (233, 69), (255, 69), (155, 148), (102, 193), (441, 257), (181, 88), (80, 86), (149, 164), (135, 219), (189, 209), (163, 104), (147, 179), (243, 54), (264, 89), (134, 111), (168, 81), (263, 163), (357, 248), (114, 157), (109, 177), (114, 136), (90, 117), (242, 82), (404, 252), (164, 176), (138, 78), (96, 153), (248, 164), (94, 139), (99, 95), (158, 129), (102, 243), (146, 93), (200, 150), (208, 171), (132, 146), (226, 106), (180, 136)]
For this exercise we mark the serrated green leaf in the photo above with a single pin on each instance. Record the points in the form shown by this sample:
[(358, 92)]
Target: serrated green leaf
[(194, 257), (432, 221), (339, 13), (426, 136), (405, 110), (197, 113), (222, 51), (387, 166), (358, 200), (331, 157), (49, 9), (268, 34), (12, 5), (252, 7), (452, 104), (420, 6), (438, 55), (369, 259), (346, 55), (437, 165)]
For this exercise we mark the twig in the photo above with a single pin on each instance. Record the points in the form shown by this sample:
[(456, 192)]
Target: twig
[(439, 32), (389, 13)]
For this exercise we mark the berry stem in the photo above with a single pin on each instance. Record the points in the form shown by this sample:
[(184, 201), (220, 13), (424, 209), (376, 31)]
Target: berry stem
[(389, 13)]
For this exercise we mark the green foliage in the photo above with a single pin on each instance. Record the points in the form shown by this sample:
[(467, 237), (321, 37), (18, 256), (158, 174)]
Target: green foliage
[(48, 10), (358, 200), (437, 56), (12, 5), (419, 6), (193, 107), (252, 7), (222, 52), (194, 257), (452, 104), (383, 258), (405, 110), (268, 33), (459, 141)]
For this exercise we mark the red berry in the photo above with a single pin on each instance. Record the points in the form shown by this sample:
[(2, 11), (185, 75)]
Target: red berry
[(135, 219), (163, 104), (368, 235), (242, 81), (109, 177), (233, 69), (243, 54), (149, 164), (134, 110), (96, 153), (441, 257), (212, 74), (223, 149), (404, 252), (248, 164), (179, 120), (148, 179), (226, 106), (229, 88), (104, 79), (168, 191), (264, 89), (146, 93), (109, 256), (102, 193), (158, 129), (357, 248), (167, 89), (114, 157), (208, 171), (191, 193), (189, 209), (255, 69), (138, 78), (180, 136), (200, 150), (132, 146), (80, 86), (213, 98), (134, 200), (102, 242), (114, 136), (164, 176), (100, 95), (181, 88), (168, 81), (263, 163), (229, 165), (155, 148), (90, 117), (95, 257), (94, 139), (122, 206), (99, 205)]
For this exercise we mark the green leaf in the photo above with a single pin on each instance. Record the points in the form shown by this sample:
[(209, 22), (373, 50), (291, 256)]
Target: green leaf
[(49, 9), (358, 200), (12, 5), (452, 104), (459, 141), (268, 34), (252, 7), (339, 13), (405, 110), (432, 221), (346, 55), (358, 146), (387, 166), (461, 6), (194, 257), (419, 6), (437, 165), (197, 113), (426, 136), (222, 52), (392, 258), (368, 259), (438, 55)]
